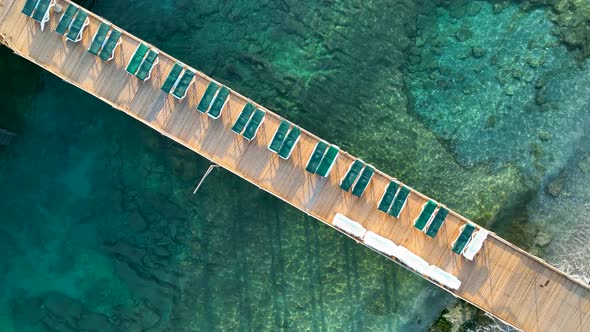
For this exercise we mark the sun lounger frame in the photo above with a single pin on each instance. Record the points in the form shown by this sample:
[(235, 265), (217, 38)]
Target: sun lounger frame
[(294, 128), (215, 100), (404, 188), (357, 161), (84, 25), (103, 42), (324, 160), (182, 73)]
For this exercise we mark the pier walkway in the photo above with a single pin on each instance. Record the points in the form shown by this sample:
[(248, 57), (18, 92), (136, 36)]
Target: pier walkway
[(503, 280)]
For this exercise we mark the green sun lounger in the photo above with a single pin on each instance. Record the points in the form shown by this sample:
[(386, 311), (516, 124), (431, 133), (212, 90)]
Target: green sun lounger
[(137, 58), (328, 161), (77, 25), (99, 38), (289, 144), (351, 175), (29, 7), (399, 202), (146, 66), (41, 10), (110, 45), (183, 84), (424, 217), (363, 181), (388, 196), (172, 77), (218, 103), (316, 157), (254, 124), (279, 136), (437, 222), (242, 119), (66, 19), (463, 238), (207, 97)]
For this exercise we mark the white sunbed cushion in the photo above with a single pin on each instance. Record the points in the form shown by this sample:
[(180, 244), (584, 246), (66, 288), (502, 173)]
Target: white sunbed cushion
[(349, 226), (412, 260), (475, 244), (380, 244), (444, 277)]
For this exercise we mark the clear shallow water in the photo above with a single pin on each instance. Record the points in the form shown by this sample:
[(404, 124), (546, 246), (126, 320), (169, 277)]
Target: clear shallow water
[(100, 228)]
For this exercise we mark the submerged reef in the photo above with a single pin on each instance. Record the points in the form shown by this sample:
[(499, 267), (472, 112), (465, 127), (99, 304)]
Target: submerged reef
[(572, 22)]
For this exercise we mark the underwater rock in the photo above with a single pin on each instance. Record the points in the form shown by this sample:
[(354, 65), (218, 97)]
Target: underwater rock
[(540, 97), (508, 90), (535, 62), (499, 7), (542, 239), (556, 186), (572, 22), (478, 51), (544, 136), (540, 83), (463, 34)]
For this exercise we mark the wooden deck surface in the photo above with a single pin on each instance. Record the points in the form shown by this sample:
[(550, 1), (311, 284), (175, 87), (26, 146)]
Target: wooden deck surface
[(503, 280)]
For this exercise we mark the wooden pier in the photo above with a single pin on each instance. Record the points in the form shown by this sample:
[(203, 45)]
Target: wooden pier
[(503, 280)]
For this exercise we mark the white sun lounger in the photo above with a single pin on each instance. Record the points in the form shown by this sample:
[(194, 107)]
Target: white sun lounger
[(412, 260), (475, 244), (46, 16), (348, 226), (443, 277), (380, 244)]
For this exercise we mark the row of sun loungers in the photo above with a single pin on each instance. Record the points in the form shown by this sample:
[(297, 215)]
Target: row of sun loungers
[(394, 199), (285, 139), (178, 81), (105, 42), (213, 100), (469, 242), (142, 62), (72, 23), (357, 177), (248, 122), (38, 10), (431, 218), (390, 249), (322, 159)]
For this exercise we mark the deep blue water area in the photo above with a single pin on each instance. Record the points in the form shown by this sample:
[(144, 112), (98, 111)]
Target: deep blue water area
[(484, 109)]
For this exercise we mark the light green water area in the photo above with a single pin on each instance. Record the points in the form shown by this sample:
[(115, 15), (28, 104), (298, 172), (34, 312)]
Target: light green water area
[(483, 105)]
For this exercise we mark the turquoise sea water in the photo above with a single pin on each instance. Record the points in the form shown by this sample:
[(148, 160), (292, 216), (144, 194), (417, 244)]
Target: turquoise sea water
[(483, 109)]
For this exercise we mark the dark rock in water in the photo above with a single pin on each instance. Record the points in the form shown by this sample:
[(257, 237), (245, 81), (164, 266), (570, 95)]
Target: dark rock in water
[(463, 34), (542, 239), (473, 8), (540, 83), (477, 51), (499, 7), (544, 136), (540, 97), (556, 186), (572, 22)]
